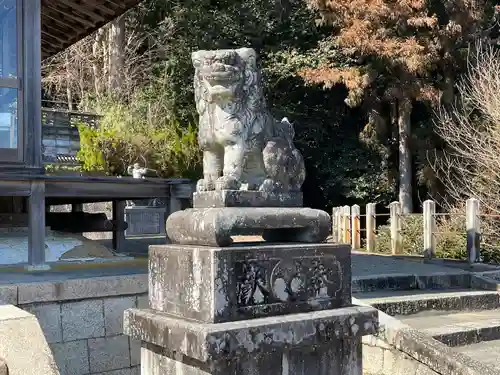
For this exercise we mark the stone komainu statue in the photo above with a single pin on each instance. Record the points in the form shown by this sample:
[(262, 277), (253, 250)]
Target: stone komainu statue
[(244, 147)]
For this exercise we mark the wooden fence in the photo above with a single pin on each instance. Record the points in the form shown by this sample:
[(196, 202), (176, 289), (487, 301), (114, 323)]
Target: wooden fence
[(347, 227)]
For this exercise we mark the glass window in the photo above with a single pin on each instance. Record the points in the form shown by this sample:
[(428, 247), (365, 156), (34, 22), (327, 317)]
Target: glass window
[(8, 118), (8, 39)]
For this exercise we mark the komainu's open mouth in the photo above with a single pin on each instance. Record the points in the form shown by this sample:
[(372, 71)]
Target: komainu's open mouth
[(219, 74)]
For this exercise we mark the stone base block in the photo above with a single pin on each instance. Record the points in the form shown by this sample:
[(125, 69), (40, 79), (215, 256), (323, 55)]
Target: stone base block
[(215, 226), (245, 198), (211, 284), (342, 359), (204, 345)]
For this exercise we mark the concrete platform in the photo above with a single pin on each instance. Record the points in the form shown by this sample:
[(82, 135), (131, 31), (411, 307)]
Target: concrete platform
[(486, 352)]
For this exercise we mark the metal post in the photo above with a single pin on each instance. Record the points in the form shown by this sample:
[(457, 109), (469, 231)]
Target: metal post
[(473, 224), (370, 227), (429, 229)]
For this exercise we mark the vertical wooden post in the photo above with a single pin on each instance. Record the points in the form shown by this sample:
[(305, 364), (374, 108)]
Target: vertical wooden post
[(346, 218), (175, 203), (76, 207), (473, 224), (36, 233), (395, 212), (32, 83), (119, 216), (429, 229), (370, 227), (355, 227), (335, 223), (340, 225)]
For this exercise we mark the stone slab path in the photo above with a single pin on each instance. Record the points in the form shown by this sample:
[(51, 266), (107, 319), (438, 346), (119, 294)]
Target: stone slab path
[(363, 266)]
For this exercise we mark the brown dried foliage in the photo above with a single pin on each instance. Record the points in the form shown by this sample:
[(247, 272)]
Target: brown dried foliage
[(404, 35)]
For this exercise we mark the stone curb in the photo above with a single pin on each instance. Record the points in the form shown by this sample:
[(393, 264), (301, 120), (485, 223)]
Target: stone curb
[(74, 289), (463, 300), (438, 280)]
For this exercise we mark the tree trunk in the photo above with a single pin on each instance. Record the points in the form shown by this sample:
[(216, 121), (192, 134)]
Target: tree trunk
[(69, 93), (448, 91), (116, 54), (97, 61), (405, 165)]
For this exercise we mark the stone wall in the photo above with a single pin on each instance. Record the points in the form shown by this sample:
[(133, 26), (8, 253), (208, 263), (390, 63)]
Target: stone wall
[(82, 320)]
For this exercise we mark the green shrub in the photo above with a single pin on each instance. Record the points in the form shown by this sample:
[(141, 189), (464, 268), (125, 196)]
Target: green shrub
[(142, 131), (451, 238)]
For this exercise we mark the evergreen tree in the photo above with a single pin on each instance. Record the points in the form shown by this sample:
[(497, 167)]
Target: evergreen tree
[(401, 52)]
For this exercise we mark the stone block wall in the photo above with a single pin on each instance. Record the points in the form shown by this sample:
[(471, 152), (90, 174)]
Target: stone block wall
[(82, 320)]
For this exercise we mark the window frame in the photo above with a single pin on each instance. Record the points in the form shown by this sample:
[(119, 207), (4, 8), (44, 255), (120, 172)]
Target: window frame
[(16, 155)]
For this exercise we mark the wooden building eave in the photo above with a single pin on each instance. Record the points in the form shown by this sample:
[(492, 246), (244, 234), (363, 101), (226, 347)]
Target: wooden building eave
[(65, 22)]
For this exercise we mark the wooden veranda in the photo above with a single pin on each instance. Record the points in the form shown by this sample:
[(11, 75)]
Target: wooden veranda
[(30, 31)]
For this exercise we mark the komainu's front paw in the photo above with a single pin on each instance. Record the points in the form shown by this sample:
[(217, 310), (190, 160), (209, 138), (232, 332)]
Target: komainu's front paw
[(268, 186), (204, 185), (227, 183)]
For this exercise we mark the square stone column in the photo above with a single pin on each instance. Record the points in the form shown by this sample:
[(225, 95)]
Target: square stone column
[(250, 309)]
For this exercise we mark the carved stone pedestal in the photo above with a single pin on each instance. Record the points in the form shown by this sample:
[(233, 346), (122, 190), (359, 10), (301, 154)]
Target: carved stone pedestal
[(215, 226), (282, 307), (251, 309)]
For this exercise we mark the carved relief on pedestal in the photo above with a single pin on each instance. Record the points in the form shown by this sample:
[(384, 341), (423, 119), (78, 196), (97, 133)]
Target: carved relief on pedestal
[(299, 279)]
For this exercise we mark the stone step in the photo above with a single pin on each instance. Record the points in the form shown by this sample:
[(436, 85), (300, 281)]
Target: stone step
[(432, 302), (487, 352), (459, 328)]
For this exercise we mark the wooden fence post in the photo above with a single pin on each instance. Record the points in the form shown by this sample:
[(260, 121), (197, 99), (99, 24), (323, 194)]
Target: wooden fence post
[(340, 225), (346, 224), (355, 227), (395, 211), (473, 224), (370, 227), (335, 224), (429, 229)]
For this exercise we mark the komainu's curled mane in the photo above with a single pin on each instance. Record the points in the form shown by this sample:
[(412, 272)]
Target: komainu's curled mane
[(243, 145)]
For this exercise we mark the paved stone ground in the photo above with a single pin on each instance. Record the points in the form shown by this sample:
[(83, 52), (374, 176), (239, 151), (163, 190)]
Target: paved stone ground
[(363, 265)]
